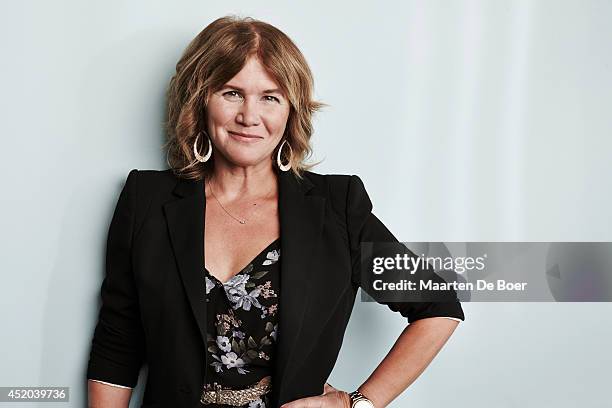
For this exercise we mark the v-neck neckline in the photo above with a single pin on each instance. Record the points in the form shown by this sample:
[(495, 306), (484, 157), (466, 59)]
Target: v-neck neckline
[(263, 251)]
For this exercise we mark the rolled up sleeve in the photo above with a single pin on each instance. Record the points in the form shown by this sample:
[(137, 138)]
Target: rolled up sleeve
[(118, 346), (364, 226)]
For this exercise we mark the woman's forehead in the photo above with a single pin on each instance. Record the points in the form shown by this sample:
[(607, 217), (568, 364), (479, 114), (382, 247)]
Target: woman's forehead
[(254, 77), (263, 87)]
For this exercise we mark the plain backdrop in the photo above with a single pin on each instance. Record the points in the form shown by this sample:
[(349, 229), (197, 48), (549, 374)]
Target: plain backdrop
[(491, 117)]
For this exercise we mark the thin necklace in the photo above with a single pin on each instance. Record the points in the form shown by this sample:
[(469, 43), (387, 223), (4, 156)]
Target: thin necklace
[(221, 205)]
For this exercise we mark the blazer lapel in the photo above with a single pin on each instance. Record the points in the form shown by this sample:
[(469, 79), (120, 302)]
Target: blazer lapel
[(301, 220), (301, 224), (185, 219)]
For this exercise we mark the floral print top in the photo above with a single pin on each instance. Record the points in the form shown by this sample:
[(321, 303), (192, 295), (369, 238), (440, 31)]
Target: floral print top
[(242, 319)]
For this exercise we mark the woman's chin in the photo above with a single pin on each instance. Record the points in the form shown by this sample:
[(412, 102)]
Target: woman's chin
[(246, 160)]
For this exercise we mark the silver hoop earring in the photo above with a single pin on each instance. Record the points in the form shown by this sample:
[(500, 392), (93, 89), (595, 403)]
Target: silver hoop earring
[(281, 166), (198, 156)]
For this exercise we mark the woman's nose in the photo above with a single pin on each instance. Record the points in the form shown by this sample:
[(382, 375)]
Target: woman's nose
[(248, 114)]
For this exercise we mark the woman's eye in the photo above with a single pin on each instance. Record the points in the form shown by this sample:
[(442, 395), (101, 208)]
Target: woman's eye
[(231, 93), (273, 98)]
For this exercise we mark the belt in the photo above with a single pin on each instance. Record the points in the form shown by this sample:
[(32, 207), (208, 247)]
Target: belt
[(215, 394)]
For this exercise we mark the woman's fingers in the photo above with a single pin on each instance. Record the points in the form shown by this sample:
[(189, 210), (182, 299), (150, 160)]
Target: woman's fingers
[(333, 399), (328, 388), (309, 402)]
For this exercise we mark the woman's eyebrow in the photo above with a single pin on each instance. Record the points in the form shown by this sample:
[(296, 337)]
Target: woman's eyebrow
[(275, 90)]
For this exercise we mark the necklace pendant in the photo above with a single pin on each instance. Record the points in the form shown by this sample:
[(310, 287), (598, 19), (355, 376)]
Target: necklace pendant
[(242, 222)]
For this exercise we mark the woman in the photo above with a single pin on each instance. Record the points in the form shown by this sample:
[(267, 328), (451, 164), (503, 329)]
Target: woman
[(234, 273)]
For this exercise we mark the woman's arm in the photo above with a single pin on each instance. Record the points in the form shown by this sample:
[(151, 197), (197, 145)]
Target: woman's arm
[(414, 349), (431, 323), (118, 344), (107, 396), (427, 332)]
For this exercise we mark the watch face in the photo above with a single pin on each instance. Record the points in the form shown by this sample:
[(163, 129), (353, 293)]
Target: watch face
[(363, 404)]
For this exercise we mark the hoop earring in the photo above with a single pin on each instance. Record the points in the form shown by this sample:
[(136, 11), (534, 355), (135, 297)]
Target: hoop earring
[(281, 166), (198, 156)]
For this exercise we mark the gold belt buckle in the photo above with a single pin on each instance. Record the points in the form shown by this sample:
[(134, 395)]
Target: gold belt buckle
[(215, 394)]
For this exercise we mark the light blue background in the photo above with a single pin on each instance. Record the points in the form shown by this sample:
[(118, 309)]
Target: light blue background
[(493, 118)]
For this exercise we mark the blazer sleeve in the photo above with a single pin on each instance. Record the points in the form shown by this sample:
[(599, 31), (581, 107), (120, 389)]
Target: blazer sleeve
[(118, 346), (364, 226)]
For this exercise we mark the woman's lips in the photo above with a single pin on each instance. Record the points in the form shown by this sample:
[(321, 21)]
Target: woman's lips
[(243, 138)]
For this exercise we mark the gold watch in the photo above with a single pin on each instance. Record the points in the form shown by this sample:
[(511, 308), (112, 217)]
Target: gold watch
[(359, 401)]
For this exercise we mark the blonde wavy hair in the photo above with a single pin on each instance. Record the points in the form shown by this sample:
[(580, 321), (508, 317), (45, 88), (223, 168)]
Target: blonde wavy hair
[(214, 57)]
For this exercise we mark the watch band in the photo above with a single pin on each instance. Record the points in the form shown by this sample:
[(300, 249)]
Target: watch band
[(356, 397)]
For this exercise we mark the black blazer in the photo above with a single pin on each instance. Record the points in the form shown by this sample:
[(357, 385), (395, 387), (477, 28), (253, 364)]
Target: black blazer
[(153, 309)]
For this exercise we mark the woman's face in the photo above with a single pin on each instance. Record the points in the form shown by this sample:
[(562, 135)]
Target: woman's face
[(252, 104)]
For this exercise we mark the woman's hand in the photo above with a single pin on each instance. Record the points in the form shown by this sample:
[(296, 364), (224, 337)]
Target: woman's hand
[(331, 398)]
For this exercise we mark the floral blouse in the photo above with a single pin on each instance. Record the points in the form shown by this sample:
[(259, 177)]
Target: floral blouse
[(242, 319)]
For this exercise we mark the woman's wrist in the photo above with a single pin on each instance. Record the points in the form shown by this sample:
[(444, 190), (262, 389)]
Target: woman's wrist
[(346, 399), (361, 397)]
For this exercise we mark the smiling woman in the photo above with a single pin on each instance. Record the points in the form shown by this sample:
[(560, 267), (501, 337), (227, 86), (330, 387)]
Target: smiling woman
[(233, 274), (247, 67), (246, 118)]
